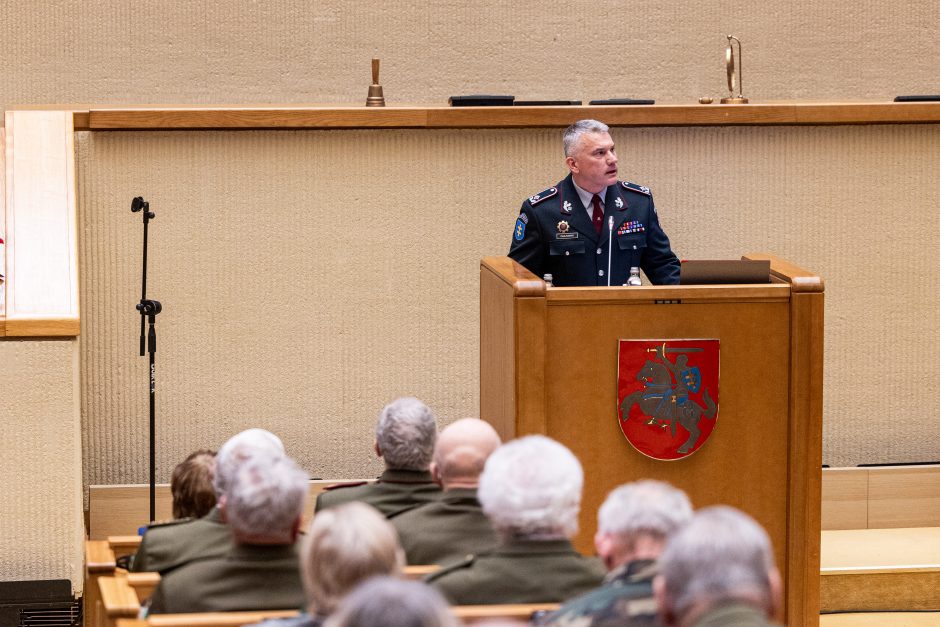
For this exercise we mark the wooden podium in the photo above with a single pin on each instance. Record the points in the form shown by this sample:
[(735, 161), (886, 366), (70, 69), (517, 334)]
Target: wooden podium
[(548, 364)]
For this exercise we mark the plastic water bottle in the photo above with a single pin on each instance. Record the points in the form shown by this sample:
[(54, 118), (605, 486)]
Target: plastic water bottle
[(548, 280), (634, 277)]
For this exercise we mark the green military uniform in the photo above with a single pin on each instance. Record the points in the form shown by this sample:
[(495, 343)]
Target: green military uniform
[(248, 577), (168, 546), (626, 598), (447, 530), (396, 491), (520, 571), (734, 614)]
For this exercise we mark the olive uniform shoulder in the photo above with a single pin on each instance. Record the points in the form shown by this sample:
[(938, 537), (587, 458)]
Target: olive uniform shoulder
[(340, 486), (160, 524), (466, 562)]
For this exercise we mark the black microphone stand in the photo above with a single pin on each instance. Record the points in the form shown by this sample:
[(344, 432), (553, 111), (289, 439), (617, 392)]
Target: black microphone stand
[(149, 309)]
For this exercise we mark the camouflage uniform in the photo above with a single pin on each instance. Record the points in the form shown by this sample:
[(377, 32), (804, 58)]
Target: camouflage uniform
[(626, 598), (447, 530), (395, 492), (520, 571), (249, 577), (167, 546)]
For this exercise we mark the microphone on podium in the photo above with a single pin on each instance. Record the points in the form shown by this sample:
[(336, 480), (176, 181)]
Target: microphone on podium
[(610, 251)]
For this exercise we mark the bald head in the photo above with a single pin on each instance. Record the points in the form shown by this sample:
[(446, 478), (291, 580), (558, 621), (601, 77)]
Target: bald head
[(461, 452)]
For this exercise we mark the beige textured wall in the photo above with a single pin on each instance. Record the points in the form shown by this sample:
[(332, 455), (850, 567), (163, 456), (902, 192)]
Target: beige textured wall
[(41, 526), (248, 251), (308, 277), (145, 51)]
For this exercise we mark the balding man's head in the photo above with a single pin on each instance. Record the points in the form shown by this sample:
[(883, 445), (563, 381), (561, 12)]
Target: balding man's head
[(461, 452)]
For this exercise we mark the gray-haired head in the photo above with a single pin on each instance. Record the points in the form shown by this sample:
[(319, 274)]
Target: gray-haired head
[(393, 602), (406, 433), (574, 132), (531, 488), (265, 500), (721, 555), (237, 449), (636, 519), (648, 506)]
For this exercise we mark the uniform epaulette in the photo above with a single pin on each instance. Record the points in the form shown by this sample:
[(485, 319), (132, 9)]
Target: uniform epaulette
[(633, 187), (454, 566), (339, 486), (169, 523), (537, 198)]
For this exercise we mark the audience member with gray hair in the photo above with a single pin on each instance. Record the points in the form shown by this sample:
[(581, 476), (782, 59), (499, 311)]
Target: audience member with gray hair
[(633, 526), (558, 229), (718, 570), (393, 603), (345, 545), (168, 546), (454, 526), (263, 505), (404, 438), (531, 491)]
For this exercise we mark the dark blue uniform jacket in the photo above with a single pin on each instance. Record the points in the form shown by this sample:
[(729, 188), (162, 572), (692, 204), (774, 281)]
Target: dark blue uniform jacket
[(554, 235)]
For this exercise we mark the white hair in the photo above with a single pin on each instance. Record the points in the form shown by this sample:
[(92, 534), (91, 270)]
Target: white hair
[(574, 132), (531, 488), (266, 497), (237, 449), (398, 602), (721, 555), (406, 433), (644, 507)]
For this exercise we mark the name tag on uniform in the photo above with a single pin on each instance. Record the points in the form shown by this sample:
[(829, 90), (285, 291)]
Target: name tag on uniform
[(566, 235)]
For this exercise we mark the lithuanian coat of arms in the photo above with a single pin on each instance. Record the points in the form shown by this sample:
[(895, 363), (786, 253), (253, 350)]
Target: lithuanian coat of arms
[(667, 395)]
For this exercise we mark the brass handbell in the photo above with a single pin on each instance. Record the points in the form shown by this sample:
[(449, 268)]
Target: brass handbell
[(376, 98)]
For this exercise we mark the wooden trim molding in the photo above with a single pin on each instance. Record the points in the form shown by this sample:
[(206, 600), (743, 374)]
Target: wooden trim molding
[(431, 117)]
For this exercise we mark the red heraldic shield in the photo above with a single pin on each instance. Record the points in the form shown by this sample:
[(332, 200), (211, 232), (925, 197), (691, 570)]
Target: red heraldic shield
[(667, 395)]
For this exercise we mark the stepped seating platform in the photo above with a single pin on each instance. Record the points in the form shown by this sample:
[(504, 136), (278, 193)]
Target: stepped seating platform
[(881, 570)]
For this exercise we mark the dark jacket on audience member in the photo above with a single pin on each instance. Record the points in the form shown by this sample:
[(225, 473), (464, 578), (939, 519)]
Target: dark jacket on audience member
[(625, 599), (167, 547), (249, 577), (449, 529), (520, 571), (396, 491)]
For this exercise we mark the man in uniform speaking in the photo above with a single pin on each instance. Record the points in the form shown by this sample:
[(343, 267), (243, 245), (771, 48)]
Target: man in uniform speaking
[(568, 230)]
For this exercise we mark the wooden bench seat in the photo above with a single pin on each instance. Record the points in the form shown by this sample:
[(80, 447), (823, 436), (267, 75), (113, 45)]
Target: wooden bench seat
[(468, 614)]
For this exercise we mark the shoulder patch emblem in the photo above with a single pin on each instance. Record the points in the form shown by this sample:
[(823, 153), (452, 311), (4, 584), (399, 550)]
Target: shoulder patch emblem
[(537, 198), (633, 187), (519, 231)]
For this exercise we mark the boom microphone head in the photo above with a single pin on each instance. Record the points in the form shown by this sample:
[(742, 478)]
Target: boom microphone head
[(139, 203)]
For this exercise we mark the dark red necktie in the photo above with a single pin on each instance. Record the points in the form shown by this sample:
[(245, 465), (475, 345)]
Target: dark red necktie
[(598, 214)]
